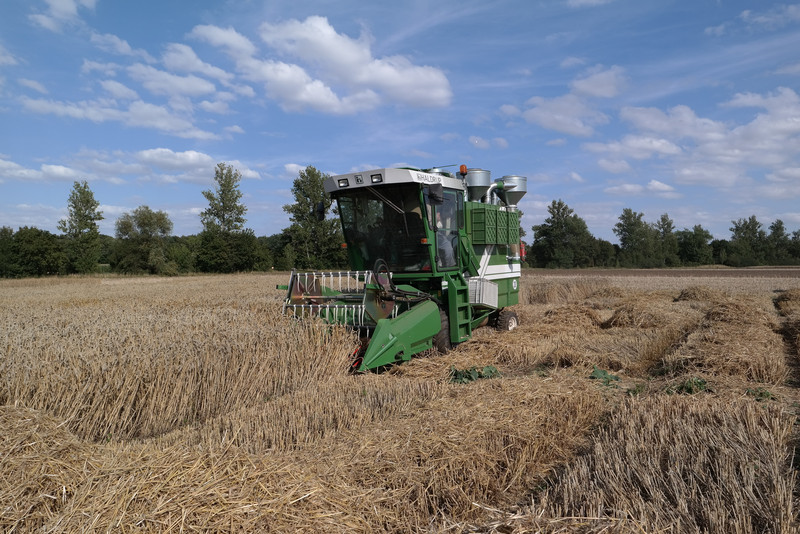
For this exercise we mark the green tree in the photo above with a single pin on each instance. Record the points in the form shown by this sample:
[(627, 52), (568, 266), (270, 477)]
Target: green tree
[(667, 241), (316, 243), (794, 246), (225, 211), (748, 243), (81, 230), (38, 252), (141, 241), (563, 240), (224, 245), (8, 258), (778, 244), (694, 246), (637, 240)]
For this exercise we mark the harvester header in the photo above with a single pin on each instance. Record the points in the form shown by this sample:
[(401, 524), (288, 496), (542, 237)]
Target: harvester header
[(433, 254)]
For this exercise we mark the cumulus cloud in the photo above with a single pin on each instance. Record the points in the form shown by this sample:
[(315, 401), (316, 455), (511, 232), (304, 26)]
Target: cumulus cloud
[(574, 113), (164, 83), (571, 61), (600, 82), (346, 77), (636, 147), (349, 61), (119, 90), (113, 44), (46, 172), (567, 114), (181, 58), (479, 142), (616, 166), (166, 158), (653, 187), (60, 13)]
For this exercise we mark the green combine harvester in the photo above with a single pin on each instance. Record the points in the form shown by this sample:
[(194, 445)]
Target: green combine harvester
[(434, 255)]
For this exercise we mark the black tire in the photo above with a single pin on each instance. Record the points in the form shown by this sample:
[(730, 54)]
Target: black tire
[(441, 341), (507, 320)]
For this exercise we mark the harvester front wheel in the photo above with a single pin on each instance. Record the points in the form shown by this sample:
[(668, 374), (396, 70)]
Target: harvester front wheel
[(441, 341), (507, 320)]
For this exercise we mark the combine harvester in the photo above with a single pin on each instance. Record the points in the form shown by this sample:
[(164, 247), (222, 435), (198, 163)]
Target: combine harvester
[(433, 256)]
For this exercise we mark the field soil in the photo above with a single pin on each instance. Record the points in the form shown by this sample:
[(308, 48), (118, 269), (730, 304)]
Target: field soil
[(626, 401)]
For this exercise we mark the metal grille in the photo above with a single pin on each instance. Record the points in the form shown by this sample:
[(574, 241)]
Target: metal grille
[(482, 291)]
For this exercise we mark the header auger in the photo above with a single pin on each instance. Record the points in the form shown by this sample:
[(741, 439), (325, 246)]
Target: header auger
[(434, 256)]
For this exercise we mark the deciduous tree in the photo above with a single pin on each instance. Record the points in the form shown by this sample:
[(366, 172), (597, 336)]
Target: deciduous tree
[(225, 210), (141, 241), (317, 243), (563, 240), (81, 230)]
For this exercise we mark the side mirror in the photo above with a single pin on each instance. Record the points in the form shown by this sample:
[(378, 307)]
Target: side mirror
[(320, 211)]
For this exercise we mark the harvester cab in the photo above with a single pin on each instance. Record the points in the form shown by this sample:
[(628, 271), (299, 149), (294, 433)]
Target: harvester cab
[(433, 255)]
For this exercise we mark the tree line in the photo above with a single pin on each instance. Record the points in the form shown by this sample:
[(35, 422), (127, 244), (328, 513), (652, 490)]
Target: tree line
[(143, 242), (563, 241)]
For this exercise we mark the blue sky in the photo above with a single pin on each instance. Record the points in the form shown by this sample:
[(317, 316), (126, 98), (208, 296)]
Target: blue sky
[(688, 107)]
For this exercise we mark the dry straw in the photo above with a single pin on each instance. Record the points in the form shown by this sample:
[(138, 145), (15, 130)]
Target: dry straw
[(192, 404), (685, 464)]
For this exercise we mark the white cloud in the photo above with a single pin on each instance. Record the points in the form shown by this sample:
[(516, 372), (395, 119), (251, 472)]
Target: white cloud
[(293, 169), (662, 190), (236, 45), (716, 31), (636, 147), (508, 110), (567, 114), (60, 13), (348, 61), (216, 106), (346, 78), (6, 58), (616, 166), (500, 142), (107, 69), (679, 123), (599, 82), (776, 17), (118, 90), (575, 177), (113, 44), (138, 113), (163, 83), (625, 190), (165, 158), (181, 58), (33, 84), (479, 142), (653, 187), (571, 61), (792, 69), (234, 129)]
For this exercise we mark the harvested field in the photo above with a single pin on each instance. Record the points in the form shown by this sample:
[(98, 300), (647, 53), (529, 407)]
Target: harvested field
[(660, 401)]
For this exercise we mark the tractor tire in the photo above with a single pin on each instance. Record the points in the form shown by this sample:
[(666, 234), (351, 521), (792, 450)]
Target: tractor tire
[(441, 341), (507, 320)]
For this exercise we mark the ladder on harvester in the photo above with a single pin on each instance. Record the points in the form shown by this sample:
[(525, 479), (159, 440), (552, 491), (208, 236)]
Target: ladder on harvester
[(458, 308)]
